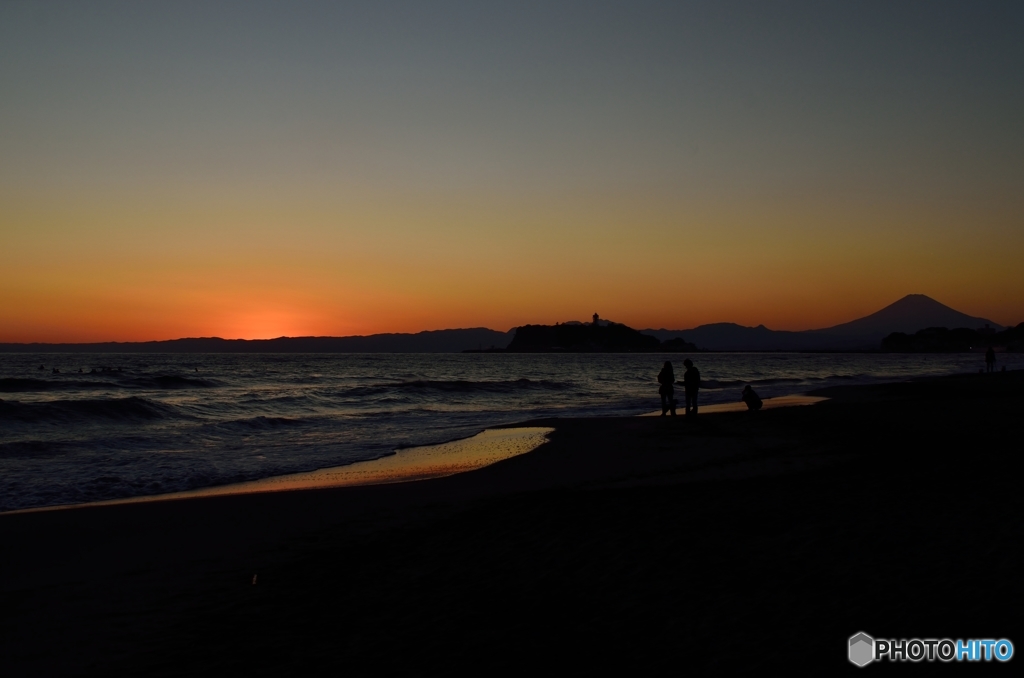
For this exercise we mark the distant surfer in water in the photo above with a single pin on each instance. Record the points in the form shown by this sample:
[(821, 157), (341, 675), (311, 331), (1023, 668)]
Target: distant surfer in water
[(667, 377), (751, 399)]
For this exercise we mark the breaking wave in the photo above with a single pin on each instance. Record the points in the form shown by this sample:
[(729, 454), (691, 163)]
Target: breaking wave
[(261, 423), (16, 385), (459, 385), (167, 381), (107, 409), (171, 381), (730, 383)]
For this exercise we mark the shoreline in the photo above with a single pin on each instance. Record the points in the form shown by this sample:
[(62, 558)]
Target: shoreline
[(409, 464), (646, 538)]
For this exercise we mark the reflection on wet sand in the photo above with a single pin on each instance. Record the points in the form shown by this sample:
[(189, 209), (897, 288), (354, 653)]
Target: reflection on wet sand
[(414, 463), (769, 403)]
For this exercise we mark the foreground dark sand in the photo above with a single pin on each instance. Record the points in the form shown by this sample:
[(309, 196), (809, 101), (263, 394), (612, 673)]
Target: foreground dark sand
[(643, 545)]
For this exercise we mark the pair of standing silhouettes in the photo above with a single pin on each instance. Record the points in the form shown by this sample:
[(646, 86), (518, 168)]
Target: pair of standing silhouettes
[(691, 384)]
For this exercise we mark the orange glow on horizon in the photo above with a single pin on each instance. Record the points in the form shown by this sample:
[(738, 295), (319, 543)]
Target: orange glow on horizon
[(360, 268)]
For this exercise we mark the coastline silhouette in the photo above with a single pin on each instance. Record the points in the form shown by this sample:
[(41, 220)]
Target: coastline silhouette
[(915, 324)]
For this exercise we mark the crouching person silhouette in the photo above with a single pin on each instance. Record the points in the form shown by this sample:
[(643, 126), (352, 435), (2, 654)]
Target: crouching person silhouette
[(751, 399)]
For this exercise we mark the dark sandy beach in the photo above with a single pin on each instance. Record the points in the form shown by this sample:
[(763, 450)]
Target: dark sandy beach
[(735, 541)]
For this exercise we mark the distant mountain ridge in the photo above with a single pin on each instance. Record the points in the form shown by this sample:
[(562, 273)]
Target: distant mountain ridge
[(910, 314), (432, 341)]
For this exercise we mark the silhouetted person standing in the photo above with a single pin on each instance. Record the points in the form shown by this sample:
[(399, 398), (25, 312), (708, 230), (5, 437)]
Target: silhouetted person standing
[(751, 398), (990, 360), (691, 384), (667, 377)]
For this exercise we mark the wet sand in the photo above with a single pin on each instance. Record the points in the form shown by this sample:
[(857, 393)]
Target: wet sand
[(730, 541), (766, 404), (405, 465)]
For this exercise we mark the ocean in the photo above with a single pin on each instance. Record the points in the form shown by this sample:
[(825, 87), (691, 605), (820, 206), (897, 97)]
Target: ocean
[(112, 426)]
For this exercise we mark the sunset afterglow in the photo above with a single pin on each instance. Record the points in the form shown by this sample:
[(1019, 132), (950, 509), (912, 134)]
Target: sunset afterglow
[(335, 169)]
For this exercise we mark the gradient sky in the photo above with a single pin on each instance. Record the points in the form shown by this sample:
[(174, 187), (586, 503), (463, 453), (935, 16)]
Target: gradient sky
[(257, 169)]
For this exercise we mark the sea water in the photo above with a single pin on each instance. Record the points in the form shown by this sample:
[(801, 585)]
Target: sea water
[(112, 426)]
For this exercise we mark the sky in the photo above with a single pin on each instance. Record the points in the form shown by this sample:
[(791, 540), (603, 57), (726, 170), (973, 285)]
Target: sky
[(262, 169)]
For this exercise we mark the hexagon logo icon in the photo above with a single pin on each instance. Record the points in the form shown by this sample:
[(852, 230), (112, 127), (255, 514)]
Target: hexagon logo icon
[(862, 649)]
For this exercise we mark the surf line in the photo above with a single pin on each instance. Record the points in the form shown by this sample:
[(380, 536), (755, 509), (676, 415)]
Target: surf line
[(405, 465)]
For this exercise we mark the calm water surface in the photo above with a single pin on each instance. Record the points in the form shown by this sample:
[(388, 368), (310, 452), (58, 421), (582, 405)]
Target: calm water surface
[(138, 424)]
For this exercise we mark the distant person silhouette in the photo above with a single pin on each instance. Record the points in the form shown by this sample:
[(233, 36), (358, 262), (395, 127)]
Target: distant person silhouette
[(667, 377), (990, 360), (691, 384), (751, 399)]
